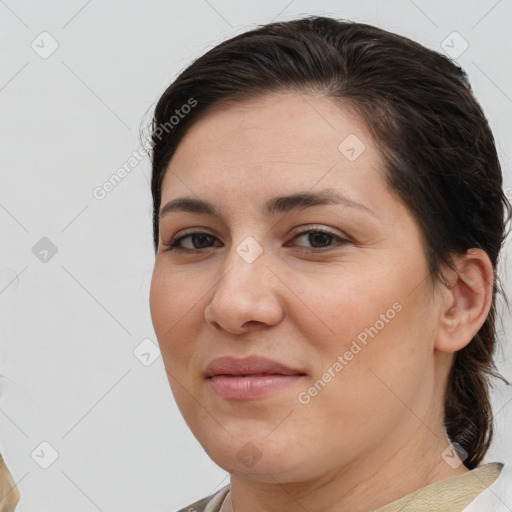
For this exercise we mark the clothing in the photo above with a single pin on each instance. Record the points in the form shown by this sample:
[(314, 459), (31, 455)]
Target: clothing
[(9, 494), (448, 495), (487, 488)]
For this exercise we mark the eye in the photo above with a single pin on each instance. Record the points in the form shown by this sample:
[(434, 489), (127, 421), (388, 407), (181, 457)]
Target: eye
[(197, 240), (320, 238)]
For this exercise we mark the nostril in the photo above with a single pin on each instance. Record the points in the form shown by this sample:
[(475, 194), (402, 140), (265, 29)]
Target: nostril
[(216, 325), (251, 323)]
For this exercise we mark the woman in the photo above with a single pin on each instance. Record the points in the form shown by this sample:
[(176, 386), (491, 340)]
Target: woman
[(328, 217)]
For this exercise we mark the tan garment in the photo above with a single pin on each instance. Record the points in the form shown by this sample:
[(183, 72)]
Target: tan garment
[(9, 494), (449, 495)]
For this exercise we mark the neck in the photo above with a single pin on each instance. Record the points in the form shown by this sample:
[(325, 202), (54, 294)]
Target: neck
[(366, 484)]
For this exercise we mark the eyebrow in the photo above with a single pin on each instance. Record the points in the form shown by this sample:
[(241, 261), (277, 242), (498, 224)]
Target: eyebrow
[(275, 205)]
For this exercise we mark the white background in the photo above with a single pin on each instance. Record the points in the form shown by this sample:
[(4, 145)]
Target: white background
[(68, 327)]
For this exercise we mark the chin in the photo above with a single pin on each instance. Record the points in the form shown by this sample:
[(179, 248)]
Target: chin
[(259, 458)]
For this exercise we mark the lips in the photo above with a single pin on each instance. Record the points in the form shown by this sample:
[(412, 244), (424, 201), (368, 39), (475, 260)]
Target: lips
[(252, 365), (249, 378)]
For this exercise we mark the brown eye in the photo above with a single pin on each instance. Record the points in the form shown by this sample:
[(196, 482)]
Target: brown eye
[(196, 241), (320, 239)]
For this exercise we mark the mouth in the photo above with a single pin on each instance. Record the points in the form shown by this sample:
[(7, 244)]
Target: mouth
[(250, 377)]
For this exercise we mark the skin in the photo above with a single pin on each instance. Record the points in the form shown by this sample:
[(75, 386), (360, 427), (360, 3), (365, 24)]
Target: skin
[(375, 432)]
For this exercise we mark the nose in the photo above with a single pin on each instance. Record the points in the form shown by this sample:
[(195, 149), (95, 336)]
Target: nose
[(246, 297)]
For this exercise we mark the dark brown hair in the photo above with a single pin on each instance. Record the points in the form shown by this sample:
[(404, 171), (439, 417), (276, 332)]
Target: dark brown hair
[(440, 155)]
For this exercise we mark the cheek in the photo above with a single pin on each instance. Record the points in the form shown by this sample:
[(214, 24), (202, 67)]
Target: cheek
[(338, 307), (365, 388), (387, 361), (373, 321), (175, 305)]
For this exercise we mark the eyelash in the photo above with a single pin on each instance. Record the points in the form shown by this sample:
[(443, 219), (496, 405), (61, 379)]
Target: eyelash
[(174, 243)]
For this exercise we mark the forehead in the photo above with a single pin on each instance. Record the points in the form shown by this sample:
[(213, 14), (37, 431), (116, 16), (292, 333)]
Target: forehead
[(277, 121), (275, 140)]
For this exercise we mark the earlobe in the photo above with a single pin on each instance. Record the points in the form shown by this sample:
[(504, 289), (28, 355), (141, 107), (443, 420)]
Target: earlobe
[(467, 301)]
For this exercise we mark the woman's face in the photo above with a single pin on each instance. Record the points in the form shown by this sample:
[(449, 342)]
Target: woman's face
[(333, 286)]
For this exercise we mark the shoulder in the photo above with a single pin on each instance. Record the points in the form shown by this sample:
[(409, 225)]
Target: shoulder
[(498, 496), (9, 493), (211, 503)]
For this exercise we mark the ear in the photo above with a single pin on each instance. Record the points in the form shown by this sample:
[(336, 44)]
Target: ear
[(466, 301)]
